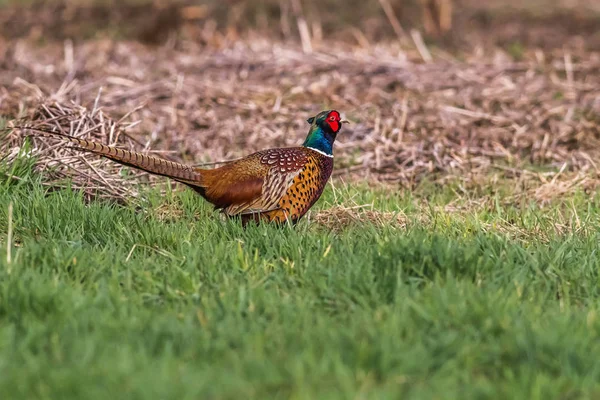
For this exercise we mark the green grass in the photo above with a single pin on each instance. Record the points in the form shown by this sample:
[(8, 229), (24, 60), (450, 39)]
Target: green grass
[(103, 300)]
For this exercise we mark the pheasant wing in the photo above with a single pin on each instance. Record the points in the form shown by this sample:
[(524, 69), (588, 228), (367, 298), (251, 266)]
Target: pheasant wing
[(261, 181)]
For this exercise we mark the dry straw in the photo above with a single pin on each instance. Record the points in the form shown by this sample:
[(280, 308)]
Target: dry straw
[(206, 102)]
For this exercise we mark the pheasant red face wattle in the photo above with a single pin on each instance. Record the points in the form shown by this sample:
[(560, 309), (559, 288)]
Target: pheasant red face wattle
[(333, 120)]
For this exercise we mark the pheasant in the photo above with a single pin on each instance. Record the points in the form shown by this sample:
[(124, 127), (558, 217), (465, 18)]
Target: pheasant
[(275, 185)]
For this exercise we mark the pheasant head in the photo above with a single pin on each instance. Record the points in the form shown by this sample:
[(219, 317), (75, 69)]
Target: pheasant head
[(323, 129)]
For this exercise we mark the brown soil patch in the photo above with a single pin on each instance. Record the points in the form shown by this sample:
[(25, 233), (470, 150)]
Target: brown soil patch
[(338, 218)]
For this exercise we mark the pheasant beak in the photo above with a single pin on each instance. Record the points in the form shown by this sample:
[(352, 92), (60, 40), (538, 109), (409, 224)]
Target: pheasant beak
[(345, 121)]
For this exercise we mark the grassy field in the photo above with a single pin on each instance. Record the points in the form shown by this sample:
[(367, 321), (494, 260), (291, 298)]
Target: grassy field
[(170, 301)]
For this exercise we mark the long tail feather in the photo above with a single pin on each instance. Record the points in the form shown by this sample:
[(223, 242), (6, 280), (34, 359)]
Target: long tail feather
[(155, 165)]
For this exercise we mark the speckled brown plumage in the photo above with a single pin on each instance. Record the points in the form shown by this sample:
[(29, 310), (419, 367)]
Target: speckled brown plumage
[(273, 185), (308, 179)]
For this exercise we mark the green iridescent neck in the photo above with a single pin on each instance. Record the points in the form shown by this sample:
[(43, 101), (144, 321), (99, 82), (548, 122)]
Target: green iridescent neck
[(320, 140)]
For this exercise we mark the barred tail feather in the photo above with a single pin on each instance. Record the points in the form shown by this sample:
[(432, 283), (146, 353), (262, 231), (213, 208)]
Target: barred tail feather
[(154, 165)]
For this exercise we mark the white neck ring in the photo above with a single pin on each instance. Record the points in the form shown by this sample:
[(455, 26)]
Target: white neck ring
[(320, 152)]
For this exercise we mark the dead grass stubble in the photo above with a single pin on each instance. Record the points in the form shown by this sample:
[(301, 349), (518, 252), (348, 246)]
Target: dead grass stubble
[(411, 120)]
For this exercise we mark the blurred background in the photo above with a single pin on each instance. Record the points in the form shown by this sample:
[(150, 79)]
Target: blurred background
[(455, 23), (433, 87)]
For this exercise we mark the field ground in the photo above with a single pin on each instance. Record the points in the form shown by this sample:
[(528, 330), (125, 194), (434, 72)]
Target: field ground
[(170, 301), (453, 255)]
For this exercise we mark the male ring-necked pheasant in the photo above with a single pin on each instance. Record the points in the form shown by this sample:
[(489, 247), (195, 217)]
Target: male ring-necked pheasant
[(274, 185)]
